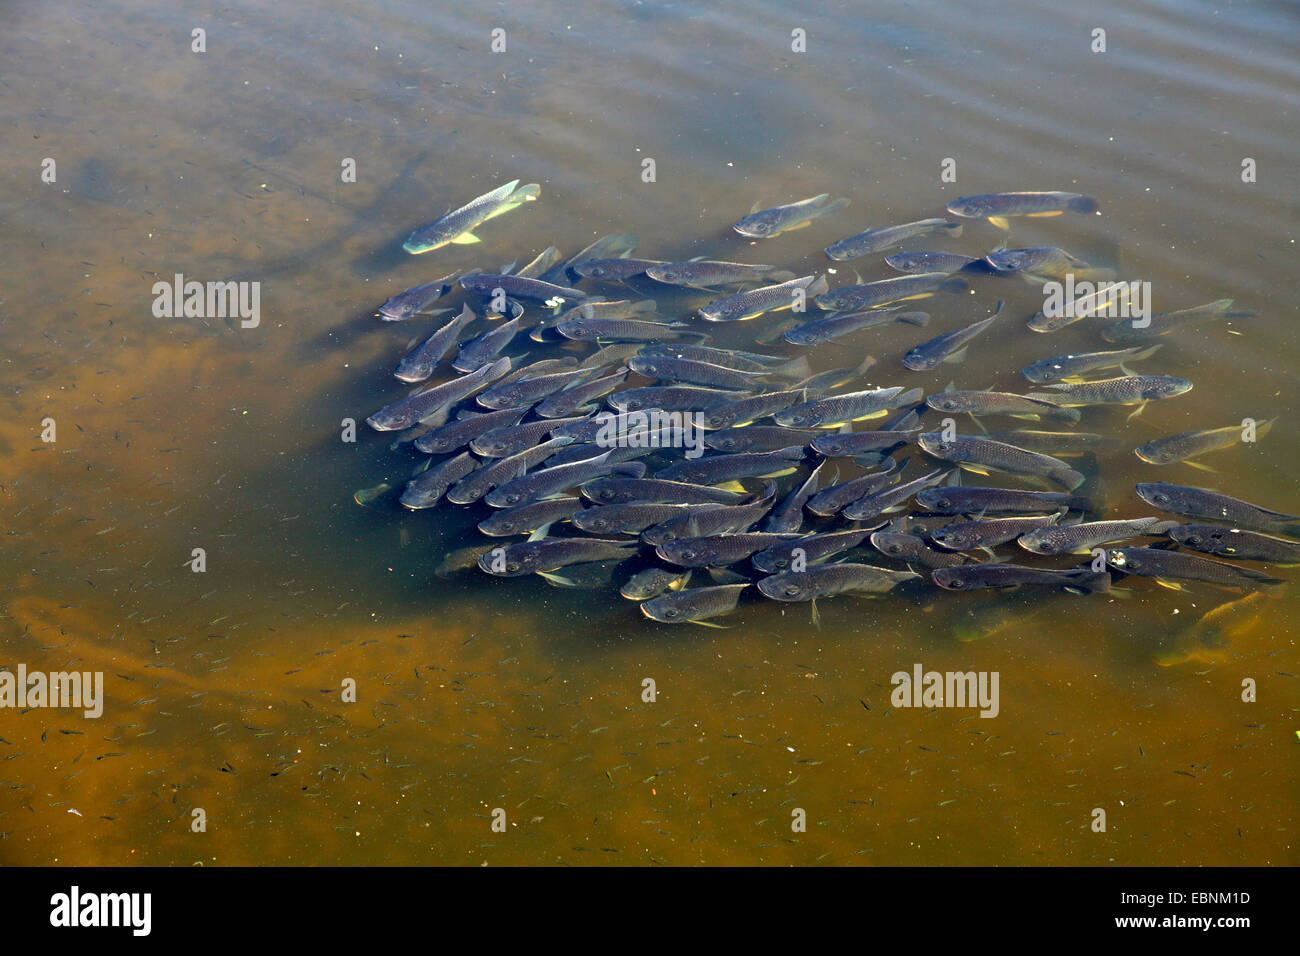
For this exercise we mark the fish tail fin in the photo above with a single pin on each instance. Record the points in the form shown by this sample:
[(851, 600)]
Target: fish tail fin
[(999, 222), (953, 229), (1067, 477), (1084, 204), (780, 275), (835, 206), (818, 286), (954, 284), (796, 369)]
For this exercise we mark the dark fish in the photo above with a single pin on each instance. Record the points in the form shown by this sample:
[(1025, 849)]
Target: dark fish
[(579, 397), (1125, 390), (652, 582), (1065, 367), (493, 474), (807, 550), (424, 405), (826, 580), (518, 287), (767, 223), (1162, 323), (424, 491), (837, 410), (995, 207), (884, 291), (832, 327), (547, 330), (1185, 445), (717, 469), (971, 577), (873, 240), (671, 398), (1037, 260), (1235, 543), (830, 500), (529, 518), (913, 549), (1082, 538), (825, 381), (512, 439), (623, 330), (967, 500), (947, 262), (988, 533), (996, 403), (589, 450), (719, 551), (415, 299), (728, 358), (420, 362), (549, 482), (1056, 443), (478, 352), (694, 605), (949, 347), (772, 298), (704, 273), (710, 520), (1171, 567), (470, 425), (548, 258), (617, 245), (457, 225), (529, 391), (852, 444), (757, 438), (611, 491), (590, 429), (632, 518), (981, 455), (688, 372), (787, 517), (462, 559), (746, 410), (1104, 299), (550, 554), (889, 499), (615, 270), (1199, 503)]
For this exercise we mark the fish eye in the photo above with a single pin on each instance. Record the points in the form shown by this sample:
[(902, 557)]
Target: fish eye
[(761, 227), (894, 548), (688, 555), (633, 403), (1161, 497), (956, 583), (791, 590), (512, 567), (944, 503), (671, 612), (669, 275), (941, 446)]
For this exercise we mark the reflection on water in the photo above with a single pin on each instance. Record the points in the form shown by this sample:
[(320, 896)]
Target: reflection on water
[(472, 694)]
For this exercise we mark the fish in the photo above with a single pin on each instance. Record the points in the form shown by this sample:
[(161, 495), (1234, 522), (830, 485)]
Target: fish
[(1036, 260), (766, 223), (852, 444), (457, 226), (745, 411), (1063, 368), (547, 330), (529, 391), (837, 410), (827, 580), (694, 605), (717, 469), (1193, 502), (1102, 299), (625, 423), (818, 331), (981, 455), (611, 355), (652, 582), (548, 258), (1124, 390), (971, 577), (949, 347), (809, 550), (688, 372), (619, 245), (787, 517), (1163, 323), (424, 405), (518, 287), (825, 381), (947, 262), (1169, 568), (1192, 444), (416, 299), (969, 500), (672, 398), (718, 551), (757, 438), (705, 273), (616, 491), (512, 439), (548, 482), (830, 500), (996, 207), (868, 295), (873, 240), (728, 358), (989, 533), (461, 559), (550, 554), (1236, 543), (888, 499), (704, 520), (426, 490), (623, 330), (457, 434), (997, 403), (1056, 443), (616, 269), (479, 351), (527, 519), (496, 473), (631, 518), (420, 362), (579, 397), (913, 549), (1082, 538), (771, 298)]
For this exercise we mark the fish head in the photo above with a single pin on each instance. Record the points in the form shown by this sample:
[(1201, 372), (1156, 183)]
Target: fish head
[(894, 544), (1035, 542), (758, 225), (644, 365), (510, 562), (790, 586), (665, 610), (936, 444), (934, 499), (593, 269), (587, 521), (688, 552), (669, 273), (1166, 387), (381, 422), (1200, 537), (724, 442), (1157, 493), (946, 403), (953, 539), (507, 397), (953, 579), (575, 329)]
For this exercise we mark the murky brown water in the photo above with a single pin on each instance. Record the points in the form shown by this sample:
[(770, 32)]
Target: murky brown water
[(223, 687)]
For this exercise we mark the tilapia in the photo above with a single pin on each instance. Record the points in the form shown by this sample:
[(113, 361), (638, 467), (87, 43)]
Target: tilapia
[(1185, 445), (493, 474), (1171, 567), (652, 582), (710, 520), (518, 287), (831, 327), (470, 425), (1125, 390), (772, 298), (767, 223), (808, 550), (981, 455), (624, 330), (757, 438), (718, 551), (1236, 543), (431, 485), (969, 500), (514, 438), (527, 519), (997, 403), (631, 518), (705, 273), (424, 405), (949, 347), (988, 533), (913, 549), (550, 554), (885, 291), (1162, 323), (873, 240), (837, 410), (717, 469), (694, 605), (826, 580), (548, 482), (580, 397), (787, 517), (1063, 368), (420, 362), (457, 225), (616, 269), (1082, 538), (889, 499), (478, 352), (416, 299), (971, 577), (947, 262), (1200, 503), (996, 207), (611, 491)]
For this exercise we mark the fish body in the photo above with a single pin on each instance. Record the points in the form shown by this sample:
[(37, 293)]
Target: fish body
[(997, 206), (706, 273), (631, 518), (772, 298), (415, 299), (914, 550), (830, 500), (981, 455), (868, 295), (810, 549), (717, 551), (518, 287), (420, 362), (826, 580), (693, 604), (1193, 502), (612, 491), (966, 500), (1236, 543), (495, 473), (710, 520), (689, 372), (619, 245), (479, 351), (1037, 260), (947, 262), (873, 240), (1083, 537), (652, 582), (987, 533), (1056, 443), (459, 433), (512, 439), (457, 226), (583, 329), (728, 358), (1163, 323), (1063, 367), (971, 577), (949, 347), (1171, 567), (578, 397), (1124, 390), (787, 517), (757, 438), (548, 482), (743, 411), (550, 554), (717, 469), (837, 410), (527, 519), (997, 403), (615, 269), (426, 490), (1101, 300), (1193, 444), (424, 405), (767, 223), (888, 499), (817, 331), (852, 444), (672, 398)]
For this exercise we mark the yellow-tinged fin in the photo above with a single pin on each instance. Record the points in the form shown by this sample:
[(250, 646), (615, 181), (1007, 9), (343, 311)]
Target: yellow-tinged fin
[(972, 468), (732, 485), (466, 239), (556, 579), (1137, 411), (1197, 464), (779, 474), (721, 627), (816, 615), (1044, 215), (1172, 585), (1000, 222)]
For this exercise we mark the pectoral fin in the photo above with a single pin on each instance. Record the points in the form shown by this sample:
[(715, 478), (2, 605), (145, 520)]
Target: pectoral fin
[(466, 239)]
